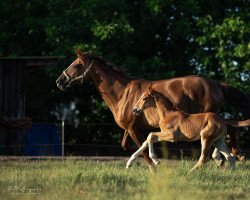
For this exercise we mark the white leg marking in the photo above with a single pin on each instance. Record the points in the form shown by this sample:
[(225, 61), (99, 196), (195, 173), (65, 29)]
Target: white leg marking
[(217, 157), (226, 152), (152, 154), (136, 154)]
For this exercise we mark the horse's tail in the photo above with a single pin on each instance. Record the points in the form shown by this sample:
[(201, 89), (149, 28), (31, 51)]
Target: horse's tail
[(16, 124), (236, 98), (239, 123)]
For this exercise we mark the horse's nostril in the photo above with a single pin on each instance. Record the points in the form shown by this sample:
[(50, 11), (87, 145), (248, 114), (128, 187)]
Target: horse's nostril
[(57, 82)]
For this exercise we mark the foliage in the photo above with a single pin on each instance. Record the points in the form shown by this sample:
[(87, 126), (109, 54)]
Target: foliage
[(228, 45), (154, 39)]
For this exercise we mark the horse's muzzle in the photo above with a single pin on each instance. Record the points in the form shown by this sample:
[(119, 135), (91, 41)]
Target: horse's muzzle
[(60, 85)]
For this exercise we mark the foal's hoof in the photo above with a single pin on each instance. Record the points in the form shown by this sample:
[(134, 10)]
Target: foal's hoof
[(219, 162), (128, 166), (157, 162)]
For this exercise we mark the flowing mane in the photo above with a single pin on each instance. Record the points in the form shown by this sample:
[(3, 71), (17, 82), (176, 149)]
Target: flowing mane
[(100, 60)]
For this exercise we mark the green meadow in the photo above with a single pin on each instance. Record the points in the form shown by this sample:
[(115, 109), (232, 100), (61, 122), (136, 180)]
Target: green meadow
[(78, 179)]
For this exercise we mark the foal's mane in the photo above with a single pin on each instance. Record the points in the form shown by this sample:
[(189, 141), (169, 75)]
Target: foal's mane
[(100, 60), (166, 100), (170, 103)]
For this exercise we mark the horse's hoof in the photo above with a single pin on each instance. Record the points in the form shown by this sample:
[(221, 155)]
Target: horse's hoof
[(157, 162), (220, 163), (128, 166), (242, 158)]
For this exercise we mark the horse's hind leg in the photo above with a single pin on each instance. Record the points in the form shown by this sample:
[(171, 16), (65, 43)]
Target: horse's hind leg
[(217, 157), (220, 144), (205, 147), (232, 132)]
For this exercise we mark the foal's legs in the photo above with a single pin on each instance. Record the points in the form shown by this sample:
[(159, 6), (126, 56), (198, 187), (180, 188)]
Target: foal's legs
[(217, 157), (156, 137), (136, 154), (139, 138), (220, 144), (152, 138), (205, 146)]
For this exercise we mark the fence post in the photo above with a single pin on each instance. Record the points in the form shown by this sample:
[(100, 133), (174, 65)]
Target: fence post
[(63, 139)]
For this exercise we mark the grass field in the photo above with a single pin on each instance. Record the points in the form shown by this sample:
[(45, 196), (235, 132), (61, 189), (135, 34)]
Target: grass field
[(109, 180)]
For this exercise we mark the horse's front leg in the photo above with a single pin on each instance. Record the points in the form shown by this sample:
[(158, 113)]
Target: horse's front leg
[(152, 138), (126, 142)]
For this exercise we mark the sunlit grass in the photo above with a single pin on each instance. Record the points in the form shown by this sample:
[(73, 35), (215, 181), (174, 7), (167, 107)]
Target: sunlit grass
[(209, 182), (109, 180)]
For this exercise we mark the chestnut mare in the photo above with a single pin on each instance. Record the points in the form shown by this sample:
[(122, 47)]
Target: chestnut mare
[(175, 125), (193, 94)]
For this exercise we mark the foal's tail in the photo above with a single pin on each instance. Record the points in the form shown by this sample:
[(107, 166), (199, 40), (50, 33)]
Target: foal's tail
[(239, 123)]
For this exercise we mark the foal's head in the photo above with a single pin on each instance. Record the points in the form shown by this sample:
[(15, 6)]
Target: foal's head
[(77, 72), (146, 100)]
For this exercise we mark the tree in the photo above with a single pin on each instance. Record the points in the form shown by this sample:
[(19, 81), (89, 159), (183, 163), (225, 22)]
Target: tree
[(225, 50), (154, 39)]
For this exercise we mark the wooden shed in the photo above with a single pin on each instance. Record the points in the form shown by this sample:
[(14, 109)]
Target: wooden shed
[(12, 96)]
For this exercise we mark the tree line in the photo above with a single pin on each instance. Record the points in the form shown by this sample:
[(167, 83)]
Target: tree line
[(153, 39)]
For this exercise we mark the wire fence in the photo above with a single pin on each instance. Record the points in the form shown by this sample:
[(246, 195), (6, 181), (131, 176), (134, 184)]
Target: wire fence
[(63, 140)]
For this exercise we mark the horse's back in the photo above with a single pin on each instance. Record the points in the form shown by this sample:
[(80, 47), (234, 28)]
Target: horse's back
[(192, 94)]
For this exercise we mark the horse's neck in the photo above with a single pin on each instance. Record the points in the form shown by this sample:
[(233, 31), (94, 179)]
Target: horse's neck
[(110, 84), (164, 106)]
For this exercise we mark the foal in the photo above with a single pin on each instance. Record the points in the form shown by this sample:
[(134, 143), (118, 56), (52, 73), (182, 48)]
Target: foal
[(176, 125)]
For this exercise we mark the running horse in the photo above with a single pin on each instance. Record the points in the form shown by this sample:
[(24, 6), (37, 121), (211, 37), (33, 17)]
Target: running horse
[(176, 125), (192, 94)]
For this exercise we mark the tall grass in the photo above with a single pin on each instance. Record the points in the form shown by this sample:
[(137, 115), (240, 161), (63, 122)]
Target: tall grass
[(72, 180), (210, 182), (110, 180)]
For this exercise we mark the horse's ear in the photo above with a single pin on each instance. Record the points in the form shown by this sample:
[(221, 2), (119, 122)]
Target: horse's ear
[(79, 52), (151, 88)]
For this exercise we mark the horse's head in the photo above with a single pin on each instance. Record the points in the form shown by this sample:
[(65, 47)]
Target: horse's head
[(146, 100), (76, 73)]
